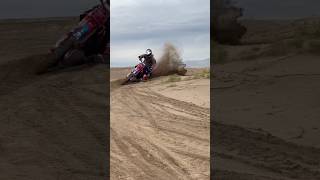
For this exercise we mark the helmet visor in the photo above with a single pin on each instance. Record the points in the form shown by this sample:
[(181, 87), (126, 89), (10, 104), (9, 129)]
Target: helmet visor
[(148, 51)]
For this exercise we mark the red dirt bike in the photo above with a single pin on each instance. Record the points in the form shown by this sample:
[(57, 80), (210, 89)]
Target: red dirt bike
[(94, 21), (136, 73)]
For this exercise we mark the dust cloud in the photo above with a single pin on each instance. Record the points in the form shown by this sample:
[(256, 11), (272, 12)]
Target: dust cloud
[(169, 62)]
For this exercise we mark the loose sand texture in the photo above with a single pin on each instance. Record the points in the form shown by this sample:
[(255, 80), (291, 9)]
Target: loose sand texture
[(52, 126), (160, 129), (266, 108)]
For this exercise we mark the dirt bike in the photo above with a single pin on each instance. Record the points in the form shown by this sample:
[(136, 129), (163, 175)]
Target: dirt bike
[(136, 73), (77, 37)]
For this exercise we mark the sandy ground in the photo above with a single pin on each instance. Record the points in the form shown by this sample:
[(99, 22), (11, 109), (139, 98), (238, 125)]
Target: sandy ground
[(266, 115), (266, 105), (160, 129), (52, 126)]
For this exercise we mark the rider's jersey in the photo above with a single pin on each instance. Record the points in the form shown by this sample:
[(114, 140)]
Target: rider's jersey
[(149, 60)]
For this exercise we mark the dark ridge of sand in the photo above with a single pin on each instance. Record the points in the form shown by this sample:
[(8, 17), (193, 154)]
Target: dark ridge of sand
[(22, 38), (52, 126), (265, 105), (266, 118)]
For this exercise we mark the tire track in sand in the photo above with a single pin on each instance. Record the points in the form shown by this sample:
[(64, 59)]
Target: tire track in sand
[(156, 137)]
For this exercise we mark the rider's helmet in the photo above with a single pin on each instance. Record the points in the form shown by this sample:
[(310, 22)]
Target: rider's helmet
[(149, 52)]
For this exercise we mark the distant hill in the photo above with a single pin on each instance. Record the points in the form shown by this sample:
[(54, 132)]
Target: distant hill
[(189, 63), (198, 63)]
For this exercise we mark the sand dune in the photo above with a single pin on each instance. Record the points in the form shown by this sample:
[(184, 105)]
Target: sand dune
[(266, 118), (52, 126), (265, 103), (157, 136)]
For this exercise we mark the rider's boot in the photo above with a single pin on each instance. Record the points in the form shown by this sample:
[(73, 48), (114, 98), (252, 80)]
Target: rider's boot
[(145, 77)]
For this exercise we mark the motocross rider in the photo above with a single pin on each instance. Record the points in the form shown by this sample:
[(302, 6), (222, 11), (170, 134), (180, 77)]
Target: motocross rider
[(149, 62), (96, 48)]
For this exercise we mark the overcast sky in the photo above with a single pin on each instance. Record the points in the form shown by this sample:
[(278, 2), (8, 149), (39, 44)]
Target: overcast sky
[(140, 24), (275, 9)]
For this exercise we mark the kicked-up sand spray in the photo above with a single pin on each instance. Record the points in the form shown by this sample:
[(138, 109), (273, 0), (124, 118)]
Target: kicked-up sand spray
[(170, 62)]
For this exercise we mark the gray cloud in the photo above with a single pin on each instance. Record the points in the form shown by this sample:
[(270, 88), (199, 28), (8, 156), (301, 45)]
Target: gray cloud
[(137, 25)]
